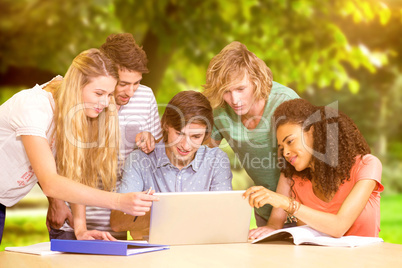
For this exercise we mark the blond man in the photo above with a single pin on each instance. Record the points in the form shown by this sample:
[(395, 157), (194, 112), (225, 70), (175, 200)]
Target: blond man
[(244, 96)]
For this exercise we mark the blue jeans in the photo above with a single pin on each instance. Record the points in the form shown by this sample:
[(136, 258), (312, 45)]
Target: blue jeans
[(2, 220)]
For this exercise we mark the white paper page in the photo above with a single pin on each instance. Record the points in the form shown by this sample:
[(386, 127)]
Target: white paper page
[(346, 241), (142, 250), (133, 241), (38, 249)]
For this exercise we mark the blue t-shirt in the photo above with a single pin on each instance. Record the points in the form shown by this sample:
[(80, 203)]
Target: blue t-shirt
[(209, 171)]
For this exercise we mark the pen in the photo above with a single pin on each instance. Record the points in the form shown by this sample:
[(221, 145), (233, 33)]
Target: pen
[(149, 190)]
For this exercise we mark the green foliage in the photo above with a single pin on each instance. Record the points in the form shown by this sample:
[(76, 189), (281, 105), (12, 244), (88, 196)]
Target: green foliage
[(24, 231), (302, 41), (395, 151), (391, 218), (391, 177), (303, 45), (49, 34), (6, 93)]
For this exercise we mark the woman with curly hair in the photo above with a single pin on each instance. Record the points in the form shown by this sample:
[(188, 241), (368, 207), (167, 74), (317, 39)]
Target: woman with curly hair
[(329, 180)]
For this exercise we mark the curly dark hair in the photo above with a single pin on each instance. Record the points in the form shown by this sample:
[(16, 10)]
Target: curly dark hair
[(124, 51), (336, 143)]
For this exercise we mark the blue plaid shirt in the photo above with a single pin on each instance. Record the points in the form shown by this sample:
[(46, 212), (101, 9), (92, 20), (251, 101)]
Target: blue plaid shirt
[(209, 171)]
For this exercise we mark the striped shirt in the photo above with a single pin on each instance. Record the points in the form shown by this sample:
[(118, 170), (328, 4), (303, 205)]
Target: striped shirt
[(138, 115)]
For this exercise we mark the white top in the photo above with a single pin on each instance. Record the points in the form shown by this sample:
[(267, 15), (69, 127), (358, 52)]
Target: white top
[(29, 112), (138, 115)]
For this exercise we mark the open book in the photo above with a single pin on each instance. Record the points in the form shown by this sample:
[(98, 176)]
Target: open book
[(305, 235)]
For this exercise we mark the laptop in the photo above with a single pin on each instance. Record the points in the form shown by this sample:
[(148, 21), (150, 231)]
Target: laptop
[(192, 218)]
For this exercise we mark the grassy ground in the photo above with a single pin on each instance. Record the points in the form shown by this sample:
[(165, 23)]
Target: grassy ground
[(391, 219), (23, 230), (30, 228)]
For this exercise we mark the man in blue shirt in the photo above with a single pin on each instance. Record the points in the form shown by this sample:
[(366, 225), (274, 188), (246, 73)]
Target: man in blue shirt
[(180, 163)]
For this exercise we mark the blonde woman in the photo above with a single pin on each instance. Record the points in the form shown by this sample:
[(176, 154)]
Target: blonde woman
[(64, 135), (138, 118)]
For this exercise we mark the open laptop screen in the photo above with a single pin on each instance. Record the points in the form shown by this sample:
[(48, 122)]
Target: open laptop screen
[(200, 218)]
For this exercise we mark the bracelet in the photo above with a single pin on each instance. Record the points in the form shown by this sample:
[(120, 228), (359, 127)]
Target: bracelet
[(292, 209)]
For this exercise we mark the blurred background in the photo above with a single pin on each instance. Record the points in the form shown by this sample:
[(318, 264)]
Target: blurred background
[(343, 51)]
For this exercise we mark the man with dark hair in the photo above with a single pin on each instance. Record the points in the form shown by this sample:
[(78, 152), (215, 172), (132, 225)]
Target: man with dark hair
[(136, 103), (180, 163), (139, 124)]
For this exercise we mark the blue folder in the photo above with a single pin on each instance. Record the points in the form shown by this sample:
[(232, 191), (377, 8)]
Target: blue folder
[(122, 248)]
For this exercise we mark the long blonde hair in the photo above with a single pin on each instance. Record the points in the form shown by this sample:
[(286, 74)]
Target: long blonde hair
[(86, 148), (231, 64)]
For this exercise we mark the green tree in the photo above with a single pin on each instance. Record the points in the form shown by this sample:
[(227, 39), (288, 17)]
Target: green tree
[(300, 40), (381, 41), (39, 39)]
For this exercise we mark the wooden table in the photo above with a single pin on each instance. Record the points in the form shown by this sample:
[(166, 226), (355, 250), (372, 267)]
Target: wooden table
[(271, 254)]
